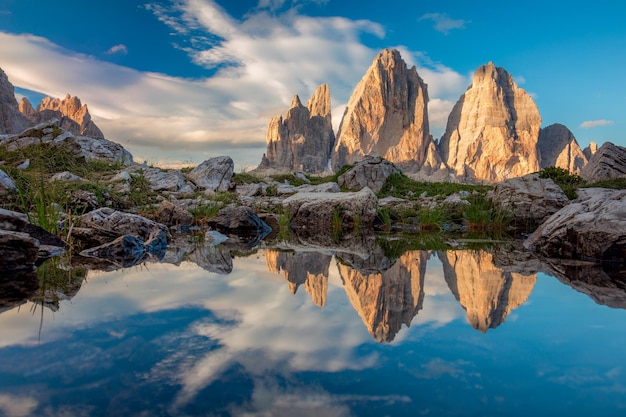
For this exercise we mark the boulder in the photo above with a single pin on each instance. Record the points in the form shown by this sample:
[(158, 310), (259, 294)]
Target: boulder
[(166, 180), (371, 172), (17, 250), (105, 224), (593, 227), (387, 116), (7, 185), (493, 129), (239, 221), (213, 174), (66, 176), (319, 212), (170, 214), (529, 199), (607, 163)]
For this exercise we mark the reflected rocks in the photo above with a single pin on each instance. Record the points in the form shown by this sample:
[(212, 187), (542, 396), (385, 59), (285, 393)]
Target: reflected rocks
[(302, 268), (217, 259), (16, 288), (386, 299), (488, 293), (604, 284)]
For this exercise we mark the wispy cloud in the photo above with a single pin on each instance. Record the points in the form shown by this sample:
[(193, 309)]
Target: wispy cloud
[(444, 23), (595, 123), (259, 62), (117, 49)]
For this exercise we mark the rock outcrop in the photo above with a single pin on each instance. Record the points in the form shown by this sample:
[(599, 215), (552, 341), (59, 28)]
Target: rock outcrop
[(74, 115), (593, 227), (387, 116), (304, 139), (371, 172), (607, 163), (487, 293), (558, 148), (493, 129), (387, 299), (529, 199), (11, 119), (590, 150)]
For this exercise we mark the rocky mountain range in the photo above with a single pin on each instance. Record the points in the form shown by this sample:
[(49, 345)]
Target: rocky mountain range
[(493, 131)]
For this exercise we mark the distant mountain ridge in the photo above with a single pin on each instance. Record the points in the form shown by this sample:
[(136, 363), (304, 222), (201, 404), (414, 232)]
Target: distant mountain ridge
[(493, 131)]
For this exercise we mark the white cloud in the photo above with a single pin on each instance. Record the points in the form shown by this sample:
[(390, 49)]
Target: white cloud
[(261, 61), (14, 406), (595, 123), (117, 49), (444, 23)]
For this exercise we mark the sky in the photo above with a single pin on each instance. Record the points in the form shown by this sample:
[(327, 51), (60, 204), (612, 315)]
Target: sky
[(178, 82)]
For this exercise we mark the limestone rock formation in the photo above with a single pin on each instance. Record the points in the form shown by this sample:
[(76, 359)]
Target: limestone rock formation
[(387, 299), (371, 172), (11, 120), (74, 115), (591, 227), (558, 148), (304, 139), (387, 116), (493, 129), (529, 199), (302, 268), (607, 163), (487, 293)]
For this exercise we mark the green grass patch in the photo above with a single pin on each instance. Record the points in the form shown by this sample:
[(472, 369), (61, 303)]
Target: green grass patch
[(245, 178), (568, 182), (401, 186), (616, 183)]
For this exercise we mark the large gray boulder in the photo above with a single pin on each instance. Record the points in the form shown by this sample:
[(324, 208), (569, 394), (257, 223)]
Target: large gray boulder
[(529, 199), (213, 174), (239, 220), (17, 250), (317, 212), (166, 180), (593, 227), (609, 162), (106, 224), (372, 172)]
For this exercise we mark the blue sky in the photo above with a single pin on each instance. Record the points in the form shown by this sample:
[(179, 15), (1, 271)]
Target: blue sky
[(181, 81)]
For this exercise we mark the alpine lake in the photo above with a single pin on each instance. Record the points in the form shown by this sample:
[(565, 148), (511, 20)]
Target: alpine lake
[(378, 327)]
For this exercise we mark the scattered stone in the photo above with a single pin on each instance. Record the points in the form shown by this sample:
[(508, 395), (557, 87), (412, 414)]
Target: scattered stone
[(239, 220), (171, 214), (66, 176), (7, 185), (593, 227), (171, 181), (213, 174), (214, 238), (529, 199), (371, 172), (24, 165)]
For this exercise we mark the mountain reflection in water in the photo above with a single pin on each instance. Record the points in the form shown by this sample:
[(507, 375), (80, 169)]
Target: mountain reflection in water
[(215, 331)]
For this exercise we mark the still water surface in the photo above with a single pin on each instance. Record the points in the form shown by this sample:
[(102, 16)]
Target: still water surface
[(313, 334)]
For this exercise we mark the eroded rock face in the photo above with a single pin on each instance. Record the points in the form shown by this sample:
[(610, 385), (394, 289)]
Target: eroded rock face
[(607, 163), (558, 148), (590, 150), (302, 268), (371, 172), (529, 199), (486, 292), (214, 174), (386, 300), (493, 129), (591, 227), (387, 116), (73, 115), (11, 119), (303, 140)]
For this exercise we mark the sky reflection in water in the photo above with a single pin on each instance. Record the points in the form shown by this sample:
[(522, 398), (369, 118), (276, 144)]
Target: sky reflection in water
[(179, 340)]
